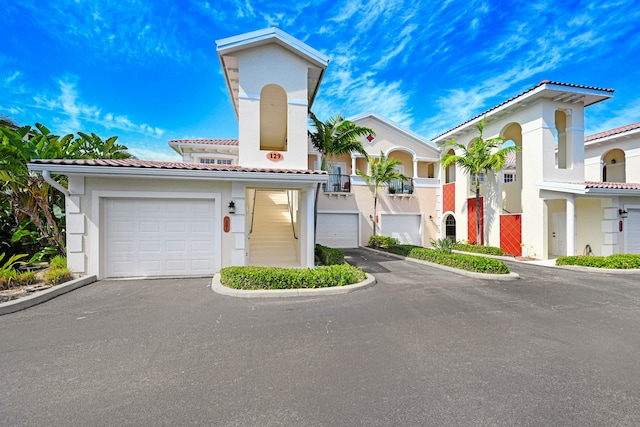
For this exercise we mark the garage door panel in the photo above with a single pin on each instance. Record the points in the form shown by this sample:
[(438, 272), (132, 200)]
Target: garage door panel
[(405, 228), (338, 230), (632, 237), (159, 237)]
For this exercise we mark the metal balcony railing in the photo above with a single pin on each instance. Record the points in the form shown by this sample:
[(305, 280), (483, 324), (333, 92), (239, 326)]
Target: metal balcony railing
[(400, 186), (337, 184)]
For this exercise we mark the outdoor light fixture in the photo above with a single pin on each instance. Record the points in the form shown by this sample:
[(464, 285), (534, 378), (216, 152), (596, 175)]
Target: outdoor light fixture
[(431, 217), (623, 214), (232, 207)]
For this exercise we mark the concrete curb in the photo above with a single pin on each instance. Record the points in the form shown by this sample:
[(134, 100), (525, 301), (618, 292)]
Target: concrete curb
[(42, 296), (218, 288), (600, 270), (510, 276)]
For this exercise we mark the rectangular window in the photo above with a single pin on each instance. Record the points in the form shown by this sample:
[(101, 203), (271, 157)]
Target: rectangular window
[(216, 161), (509, 177)]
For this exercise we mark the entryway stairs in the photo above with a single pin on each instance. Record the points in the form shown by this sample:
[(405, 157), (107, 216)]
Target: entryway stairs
[(272, 242)]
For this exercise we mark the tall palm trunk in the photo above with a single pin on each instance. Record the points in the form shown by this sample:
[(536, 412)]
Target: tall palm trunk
[(375, 209)]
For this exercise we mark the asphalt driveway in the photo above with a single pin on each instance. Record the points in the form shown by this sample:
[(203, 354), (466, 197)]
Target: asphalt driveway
[(422, 347)]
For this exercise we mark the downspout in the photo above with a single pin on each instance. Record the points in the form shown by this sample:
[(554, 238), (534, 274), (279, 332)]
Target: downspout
[(47, 177)]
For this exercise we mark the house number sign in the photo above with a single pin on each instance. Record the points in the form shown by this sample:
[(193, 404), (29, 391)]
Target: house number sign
[(226, 223), (274, 156)]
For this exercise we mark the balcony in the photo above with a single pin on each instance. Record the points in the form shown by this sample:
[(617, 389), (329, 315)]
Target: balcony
[(400, 186), (337, 184)]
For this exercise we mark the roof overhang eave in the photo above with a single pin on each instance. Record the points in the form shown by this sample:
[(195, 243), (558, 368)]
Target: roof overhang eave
[(595, 95), (581, 189), (210, 175)]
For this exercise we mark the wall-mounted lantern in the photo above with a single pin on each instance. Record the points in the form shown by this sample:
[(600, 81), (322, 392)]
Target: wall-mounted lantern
[(623, 214), (232, 207)]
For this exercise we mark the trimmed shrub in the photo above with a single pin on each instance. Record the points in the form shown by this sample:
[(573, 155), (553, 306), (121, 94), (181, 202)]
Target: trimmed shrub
[(253, 278), (473, 263), (384, 242), (617, 261), (329, 256), (477, 249)]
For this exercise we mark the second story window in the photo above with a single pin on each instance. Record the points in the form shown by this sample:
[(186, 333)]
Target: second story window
[(509, 177), (217, 161)]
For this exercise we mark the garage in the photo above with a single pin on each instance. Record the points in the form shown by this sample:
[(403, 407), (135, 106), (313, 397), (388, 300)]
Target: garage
[(159, 237), (632, 236), (338, 230), (406, 228)]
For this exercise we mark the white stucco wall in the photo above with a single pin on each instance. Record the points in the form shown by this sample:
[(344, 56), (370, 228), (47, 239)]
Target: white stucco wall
[(258, 67)]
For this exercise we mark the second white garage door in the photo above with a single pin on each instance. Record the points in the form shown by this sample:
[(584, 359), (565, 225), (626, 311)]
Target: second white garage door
[(406, 228), (338, 230), (632, 236), (158, 237)]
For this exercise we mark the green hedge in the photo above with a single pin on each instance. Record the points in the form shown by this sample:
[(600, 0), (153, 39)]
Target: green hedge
[(329, 256), (290, 278), (618, 261), (473, 263), (486, 250), (382, 242)]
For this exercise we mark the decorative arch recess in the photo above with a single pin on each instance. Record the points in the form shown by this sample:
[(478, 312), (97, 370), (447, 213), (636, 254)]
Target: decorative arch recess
[(273, 118), (613, 166)]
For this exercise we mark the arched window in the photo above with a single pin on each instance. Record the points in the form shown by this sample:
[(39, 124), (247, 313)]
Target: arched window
[(450, 227), (273, 118)]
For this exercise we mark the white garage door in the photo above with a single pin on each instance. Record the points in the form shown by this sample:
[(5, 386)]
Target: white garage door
[(632, 237), (405, 228), (338, 230), (157, 237)]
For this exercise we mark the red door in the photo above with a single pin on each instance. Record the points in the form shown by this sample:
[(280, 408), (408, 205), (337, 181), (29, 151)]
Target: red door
[(471, 221)]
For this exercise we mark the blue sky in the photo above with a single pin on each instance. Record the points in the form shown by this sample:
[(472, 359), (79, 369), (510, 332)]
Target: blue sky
[(147, 70)]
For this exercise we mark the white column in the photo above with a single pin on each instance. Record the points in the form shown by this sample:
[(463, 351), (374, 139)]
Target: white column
[(318, 162), (353, 164), (415, 168), (309, 257), (571, 226)]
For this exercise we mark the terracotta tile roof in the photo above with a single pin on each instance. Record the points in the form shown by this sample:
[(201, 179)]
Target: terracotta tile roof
[(544, 82), (510, 159), (150, 164), (217, 141), (613, 185), (610, 132)]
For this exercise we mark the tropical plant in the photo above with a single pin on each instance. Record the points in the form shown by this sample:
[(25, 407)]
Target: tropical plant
[(480, 157), (94, 147), (444, 245), (382, 171), (334, 137), (32, 213)]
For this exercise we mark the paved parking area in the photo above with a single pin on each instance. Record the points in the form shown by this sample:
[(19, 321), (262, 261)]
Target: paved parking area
[(422, 347)]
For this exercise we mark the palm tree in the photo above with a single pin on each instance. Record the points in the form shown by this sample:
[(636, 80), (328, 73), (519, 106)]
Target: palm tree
[(382, 171), (482, 156), (335, 137)]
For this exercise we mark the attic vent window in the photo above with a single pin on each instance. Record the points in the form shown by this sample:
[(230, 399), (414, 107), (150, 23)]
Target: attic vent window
[(370, 138)]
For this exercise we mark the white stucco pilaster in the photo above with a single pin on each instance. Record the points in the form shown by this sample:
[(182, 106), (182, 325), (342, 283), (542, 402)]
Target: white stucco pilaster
[(609, 226), (307, 254), (238, 224)]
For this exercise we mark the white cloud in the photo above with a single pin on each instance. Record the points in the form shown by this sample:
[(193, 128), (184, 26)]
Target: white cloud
[(73, 115)]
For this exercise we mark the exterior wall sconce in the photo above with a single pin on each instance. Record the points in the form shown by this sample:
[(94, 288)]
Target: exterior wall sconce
[(623, 214), (431, 217), (232, 207)]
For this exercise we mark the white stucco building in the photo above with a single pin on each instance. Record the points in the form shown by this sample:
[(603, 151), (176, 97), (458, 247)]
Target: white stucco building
[(250, 201)]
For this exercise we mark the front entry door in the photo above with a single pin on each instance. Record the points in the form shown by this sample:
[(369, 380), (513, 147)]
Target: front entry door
[(559, 233)]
